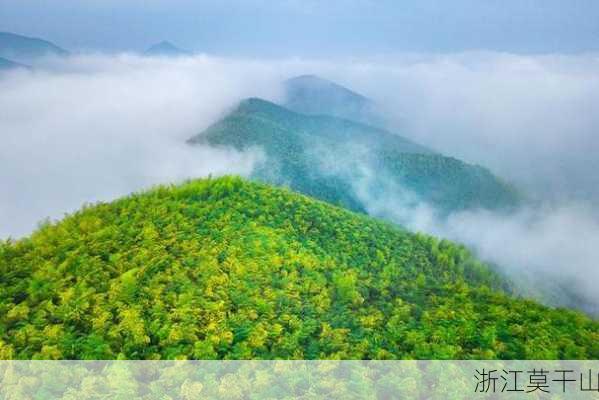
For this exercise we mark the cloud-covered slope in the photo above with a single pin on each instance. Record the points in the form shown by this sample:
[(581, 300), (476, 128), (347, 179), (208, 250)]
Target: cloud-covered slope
[(310, 94), (342, 161), (26, 49), (8, 64), (165, 49)]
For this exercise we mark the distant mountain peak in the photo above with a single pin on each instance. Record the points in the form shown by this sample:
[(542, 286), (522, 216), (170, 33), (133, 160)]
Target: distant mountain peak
[(24, 49), (314, 95), (165, 48), (314, 82), (324, 156)]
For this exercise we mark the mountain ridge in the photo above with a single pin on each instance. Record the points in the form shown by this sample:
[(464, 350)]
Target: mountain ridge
[(325, 157), (25, 49), (313, 95), (6, 64)]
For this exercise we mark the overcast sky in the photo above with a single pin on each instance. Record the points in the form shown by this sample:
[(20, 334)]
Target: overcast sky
[(311, 27)]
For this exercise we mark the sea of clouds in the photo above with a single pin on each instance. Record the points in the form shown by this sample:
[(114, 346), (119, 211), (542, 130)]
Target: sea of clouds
[(95, 127)]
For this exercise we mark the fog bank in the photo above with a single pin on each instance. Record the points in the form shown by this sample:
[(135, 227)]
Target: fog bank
[(97, 127)]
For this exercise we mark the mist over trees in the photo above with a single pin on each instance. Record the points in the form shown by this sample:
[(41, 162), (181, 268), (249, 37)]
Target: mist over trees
[(131, 135)]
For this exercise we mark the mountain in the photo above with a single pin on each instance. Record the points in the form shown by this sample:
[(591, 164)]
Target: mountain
[(225, 268), (312, 95), (165, 49), (345, 162), (25, 49), (7, 64)]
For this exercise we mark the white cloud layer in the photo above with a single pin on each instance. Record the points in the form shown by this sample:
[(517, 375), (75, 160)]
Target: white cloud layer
[(97, 127), (533, 119), (549, 251)]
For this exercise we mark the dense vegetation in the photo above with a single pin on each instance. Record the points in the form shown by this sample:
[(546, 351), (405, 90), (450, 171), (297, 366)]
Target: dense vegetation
[(448, 182), (326, 157), (225, 268)]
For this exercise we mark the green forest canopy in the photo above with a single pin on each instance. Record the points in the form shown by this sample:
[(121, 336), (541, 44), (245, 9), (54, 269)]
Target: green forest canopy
[(298, 148), (228, 269)]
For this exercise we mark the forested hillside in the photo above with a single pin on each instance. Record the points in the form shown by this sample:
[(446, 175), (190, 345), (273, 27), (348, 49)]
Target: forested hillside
[(224, 268), (326, 157)]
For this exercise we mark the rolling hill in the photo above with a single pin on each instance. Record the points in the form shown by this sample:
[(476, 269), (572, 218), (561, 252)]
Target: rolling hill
[(229, 269), (25, 49), (333, 159), (312, 95)]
